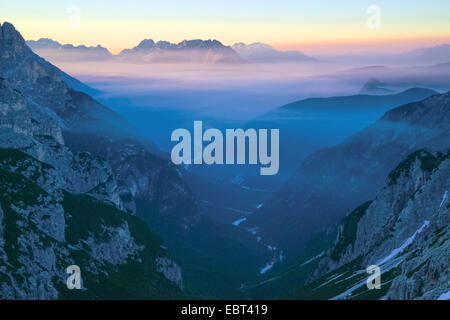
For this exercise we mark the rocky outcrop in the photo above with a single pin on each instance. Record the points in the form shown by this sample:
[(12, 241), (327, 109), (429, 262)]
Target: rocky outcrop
[(170, 270)]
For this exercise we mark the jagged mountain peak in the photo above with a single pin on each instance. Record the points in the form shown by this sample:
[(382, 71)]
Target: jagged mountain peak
[(44, 43), (146, 43), (198, 43), (195, 50), (57, 50), (11, 41), (8, 30), (149, 44)]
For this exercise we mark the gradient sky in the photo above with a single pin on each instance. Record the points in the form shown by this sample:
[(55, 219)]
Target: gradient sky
[(320, 26)]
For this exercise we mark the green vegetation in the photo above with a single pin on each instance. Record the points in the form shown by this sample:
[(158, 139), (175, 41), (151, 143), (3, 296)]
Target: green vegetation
[(137, 278), (21, 162), (12, 233), (86, 215), (438, 234), (429, 162), (16, 190), (411, 272)]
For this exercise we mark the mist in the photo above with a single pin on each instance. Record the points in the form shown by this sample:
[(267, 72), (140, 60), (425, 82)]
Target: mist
[(159, 98)]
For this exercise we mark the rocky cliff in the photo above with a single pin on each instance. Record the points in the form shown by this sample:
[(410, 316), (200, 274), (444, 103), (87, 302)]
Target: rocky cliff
[(61, 206)]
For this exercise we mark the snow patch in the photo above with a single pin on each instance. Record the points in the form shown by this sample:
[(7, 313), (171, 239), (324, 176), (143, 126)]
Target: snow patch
[(312, 259), (444, 197), (405, 244), (239, 221), (444, 296), (272, 262), (267, 267)]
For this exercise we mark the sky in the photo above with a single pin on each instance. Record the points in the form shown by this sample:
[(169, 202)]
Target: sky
[(314, 27)]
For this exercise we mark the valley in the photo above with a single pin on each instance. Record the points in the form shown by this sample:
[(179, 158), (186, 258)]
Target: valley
[(89, 178)]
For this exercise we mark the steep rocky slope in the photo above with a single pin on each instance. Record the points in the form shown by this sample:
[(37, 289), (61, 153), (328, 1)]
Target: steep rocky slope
[(404, 230), (60, 208)]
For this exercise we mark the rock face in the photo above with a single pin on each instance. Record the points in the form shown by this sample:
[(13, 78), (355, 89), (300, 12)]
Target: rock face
[(17, 116), (170, 270), (62, 207), (333, 181), (404, 230)]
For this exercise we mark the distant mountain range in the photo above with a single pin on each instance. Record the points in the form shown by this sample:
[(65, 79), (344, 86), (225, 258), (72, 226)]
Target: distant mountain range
[(436, 54), (213, 51), (148, 50), (420, 56), (209, 51), (45, 46), (264, 53)]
